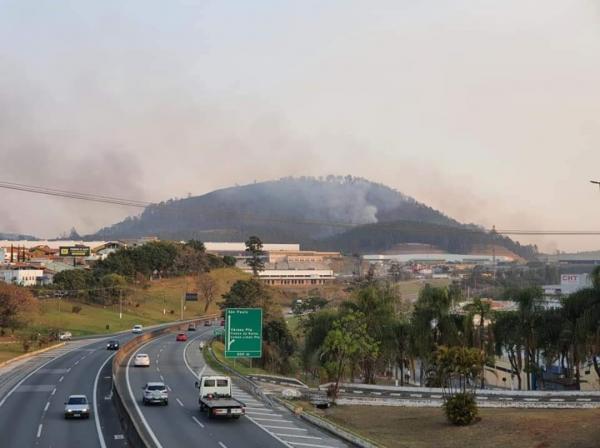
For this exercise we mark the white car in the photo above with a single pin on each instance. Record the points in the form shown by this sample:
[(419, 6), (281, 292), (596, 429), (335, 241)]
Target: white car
[(65, 336), (77, 406), (141, 360), (137, 329), (155, 393)]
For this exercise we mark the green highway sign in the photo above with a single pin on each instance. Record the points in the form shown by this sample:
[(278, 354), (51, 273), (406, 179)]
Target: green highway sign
[(243, 333)]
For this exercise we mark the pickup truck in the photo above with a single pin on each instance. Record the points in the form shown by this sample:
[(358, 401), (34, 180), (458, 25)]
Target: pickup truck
[(215, 397)]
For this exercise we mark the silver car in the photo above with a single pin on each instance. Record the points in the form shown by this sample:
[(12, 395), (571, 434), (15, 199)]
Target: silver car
[(155, 393), (77, 406)]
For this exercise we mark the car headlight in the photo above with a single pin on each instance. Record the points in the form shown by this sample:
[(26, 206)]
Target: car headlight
[(69, 410)]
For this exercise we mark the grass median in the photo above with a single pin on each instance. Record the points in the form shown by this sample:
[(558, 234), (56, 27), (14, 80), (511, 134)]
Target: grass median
[(405, 427)]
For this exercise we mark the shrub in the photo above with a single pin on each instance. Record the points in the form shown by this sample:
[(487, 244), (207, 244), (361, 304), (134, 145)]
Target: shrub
[(461, 409), (76, 309)]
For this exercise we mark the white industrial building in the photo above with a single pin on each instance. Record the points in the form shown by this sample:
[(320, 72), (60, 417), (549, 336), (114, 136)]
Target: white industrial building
[(295, 277), (240, 247), (438, 258), (24, 276)]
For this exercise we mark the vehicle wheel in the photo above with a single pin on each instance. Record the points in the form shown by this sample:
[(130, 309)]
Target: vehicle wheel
[(166, 402), (66, 417), (236, 417), (144, 401)]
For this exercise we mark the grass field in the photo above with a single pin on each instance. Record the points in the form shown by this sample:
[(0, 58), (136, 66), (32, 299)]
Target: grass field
[(142, 306), (396, 427)]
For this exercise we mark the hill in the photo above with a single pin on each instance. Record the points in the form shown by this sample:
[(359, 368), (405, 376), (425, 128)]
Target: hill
[(16, 237), (317, 213), (379, 237)]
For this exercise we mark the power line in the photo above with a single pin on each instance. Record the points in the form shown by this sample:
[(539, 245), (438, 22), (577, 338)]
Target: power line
[(73, 195)]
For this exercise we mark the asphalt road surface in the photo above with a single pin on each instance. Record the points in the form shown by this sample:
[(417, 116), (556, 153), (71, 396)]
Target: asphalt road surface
[(32, 411), (181, 424)]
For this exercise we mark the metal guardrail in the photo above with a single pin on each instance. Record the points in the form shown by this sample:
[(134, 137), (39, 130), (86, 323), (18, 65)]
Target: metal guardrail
[(136, 433)]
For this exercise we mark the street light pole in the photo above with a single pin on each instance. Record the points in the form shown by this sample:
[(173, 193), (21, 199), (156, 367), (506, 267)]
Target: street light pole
[(120, 304)]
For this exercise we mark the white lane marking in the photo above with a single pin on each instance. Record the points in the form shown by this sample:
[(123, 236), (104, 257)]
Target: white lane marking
[(39, 433), (311, 445), (60, 379), (283, 427), (262, 419), (158, 369), (95, 401), (557, 399), (76, 362), (257, 408), (179, 401), (299, 436), (47, 406), (416, 395), (198, 421), (532, 399), (263, 413), (393, 394), (53, 392), (506, 399), (169, 388), (137, 407), (584, 399), (222, 445), (481, 398), (357, 391), (162, 378), (376, 393)]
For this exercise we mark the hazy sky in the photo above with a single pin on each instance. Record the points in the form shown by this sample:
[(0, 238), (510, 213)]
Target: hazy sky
[(488, 110)]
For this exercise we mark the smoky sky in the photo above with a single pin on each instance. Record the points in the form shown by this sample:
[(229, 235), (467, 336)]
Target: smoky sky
[(486, 110)]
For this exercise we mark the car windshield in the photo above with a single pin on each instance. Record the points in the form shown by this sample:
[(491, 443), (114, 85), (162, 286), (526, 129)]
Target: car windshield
[(77, 400), (156, 387), (141, 356)]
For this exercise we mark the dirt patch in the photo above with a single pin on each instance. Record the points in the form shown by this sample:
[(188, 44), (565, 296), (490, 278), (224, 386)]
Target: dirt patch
[(511, 428)]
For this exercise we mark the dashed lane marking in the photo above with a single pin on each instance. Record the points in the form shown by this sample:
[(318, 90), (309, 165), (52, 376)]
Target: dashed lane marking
[(584, 399), (263, 413), (53, 392), (481, 398), (416, 395), (39, 433), (198, 421), (60, 379), (557, 399), (532, 399), (179, 401), (47, 406), (222, 445)]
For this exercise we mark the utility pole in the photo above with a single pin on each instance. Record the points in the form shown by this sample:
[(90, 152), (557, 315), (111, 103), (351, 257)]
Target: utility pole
[(120, 303), (182, 298)]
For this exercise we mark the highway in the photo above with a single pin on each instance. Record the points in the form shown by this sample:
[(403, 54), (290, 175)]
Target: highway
[(31, 412), (181, 424)]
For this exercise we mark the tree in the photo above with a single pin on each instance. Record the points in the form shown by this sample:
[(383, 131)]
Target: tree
[(207, 287), (457, 369), (395, 271), (254, 249), (76, 282), (348, 341), (15, 302), (509, 339), (229, 261)]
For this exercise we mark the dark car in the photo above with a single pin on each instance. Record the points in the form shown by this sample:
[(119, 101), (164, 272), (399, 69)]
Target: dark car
[(207, 323), (191, 327), (112, 345)]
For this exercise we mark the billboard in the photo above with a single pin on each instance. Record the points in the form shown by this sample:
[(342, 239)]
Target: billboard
[(74, 251), (191, 296)]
